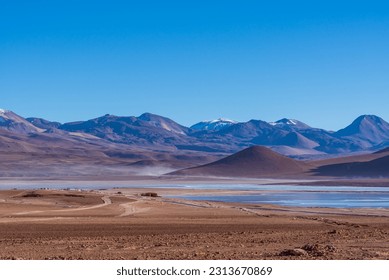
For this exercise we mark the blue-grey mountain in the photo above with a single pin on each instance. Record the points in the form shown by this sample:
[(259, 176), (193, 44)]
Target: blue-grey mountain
[(121, 145)]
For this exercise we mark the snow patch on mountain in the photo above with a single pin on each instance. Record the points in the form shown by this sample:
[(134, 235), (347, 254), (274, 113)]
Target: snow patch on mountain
[(290, 124), (4, 115), (223, 120), (284, 121), (171, 129), (3, 112), (215, 125)]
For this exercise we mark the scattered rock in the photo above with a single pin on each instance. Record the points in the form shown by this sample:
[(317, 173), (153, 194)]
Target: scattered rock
[(318, 249), (330, 248), (72, 195), (55, 258), (294, 252), (311, 247), (149, 194), (32, 194)]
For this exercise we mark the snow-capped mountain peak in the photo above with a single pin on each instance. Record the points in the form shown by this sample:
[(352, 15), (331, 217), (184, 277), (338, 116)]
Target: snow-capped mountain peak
[(214, 125), (290, 123), (13, 122), (222, 120), (285, 121), (2, 111), (5, 114)]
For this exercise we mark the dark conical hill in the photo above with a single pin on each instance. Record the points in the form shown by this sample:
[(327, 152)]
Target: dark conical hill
[(253, 162)]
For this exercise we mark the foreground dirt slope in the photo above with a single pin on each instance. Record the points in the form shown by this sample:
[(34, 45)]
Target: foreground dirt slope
[(120, 224)]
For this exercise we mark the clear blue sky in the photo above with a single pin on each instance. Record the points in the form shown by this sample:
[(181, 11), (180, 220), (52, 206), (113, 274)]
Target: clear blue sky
[(323, 62)]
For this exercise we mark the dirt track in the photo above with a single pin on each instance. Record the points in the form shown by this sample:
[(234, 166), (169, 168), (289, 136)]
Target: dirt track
[(107, 225)]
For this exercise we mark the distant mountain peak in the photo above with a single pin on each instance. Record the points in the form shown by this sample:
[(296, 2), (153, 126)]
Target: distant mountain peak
[(355, 126), (370, 118), (214, 125), (290, 124), (368, 128), (4, 112), (153, 117), (163, 122), (223, 120), (287, 121), (13, 122), (147, 116)]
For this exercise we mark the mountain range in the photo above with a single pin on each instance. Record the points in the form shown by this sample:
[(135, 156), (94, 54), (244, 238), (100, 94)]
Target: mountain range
[(287, 136), (154, 141)]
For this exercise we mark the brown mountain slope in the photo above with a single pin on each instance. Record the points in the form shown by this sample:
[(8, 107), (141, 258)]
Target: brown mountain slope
[(253, 162), (375, 168), (350, 159), (386, 150), (63, 155)]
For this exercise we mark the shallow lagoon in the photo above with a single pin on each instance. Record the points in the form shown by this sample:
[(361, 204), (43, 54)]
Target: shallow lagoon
[(300, 196), (285, 195)]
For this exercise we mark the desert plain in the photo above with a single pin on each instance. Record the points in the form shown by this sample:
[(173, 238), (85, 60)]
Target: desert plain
[(121, 223)]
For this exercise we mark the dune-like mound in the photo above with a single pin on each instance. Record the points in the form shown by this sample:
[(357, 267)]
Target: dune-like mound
[(253, 162), (374, 168), (386, 150)]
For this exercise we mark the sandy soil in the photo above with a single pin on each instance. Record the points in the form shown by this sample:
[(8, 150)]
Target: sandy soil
[(121, 224)]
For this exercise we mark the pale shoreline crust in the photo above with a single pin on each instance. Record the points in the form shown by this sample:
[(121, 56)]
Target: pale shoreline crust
[(130, 181), (121, 224)]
